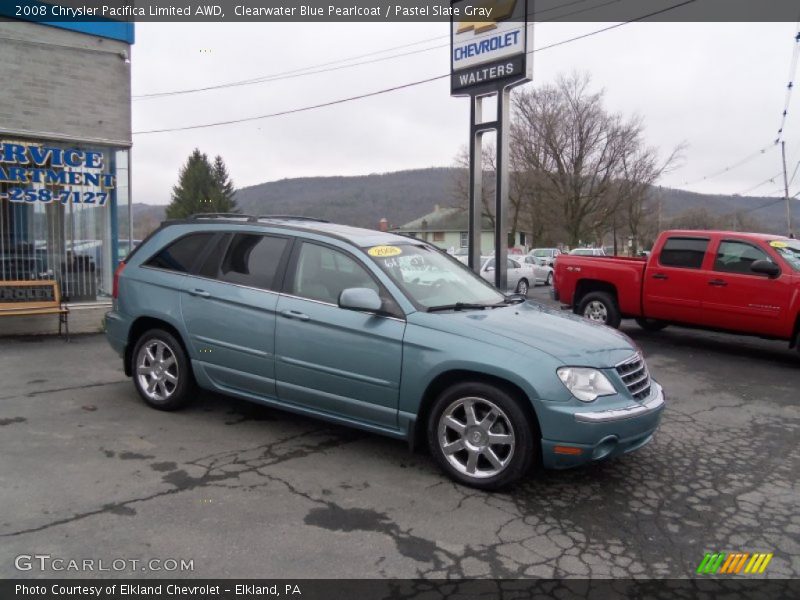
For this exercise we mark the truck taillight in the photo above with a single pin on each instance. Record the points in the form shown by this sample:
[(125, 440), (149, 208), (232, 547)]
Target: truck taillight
[(115, 286)]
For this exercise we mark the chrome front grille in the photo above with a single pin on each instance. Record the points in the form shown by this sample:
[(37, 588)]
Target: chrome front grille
[(635, 376)]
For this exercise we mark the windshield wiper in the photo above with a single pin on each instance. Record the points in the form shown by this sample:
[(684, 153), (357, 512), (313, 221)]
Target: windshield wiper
[(514, 299), (460, 306)]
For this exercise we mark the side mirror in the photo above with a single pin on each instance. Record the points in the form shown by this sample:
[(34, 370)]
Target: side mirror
[(489, 269), (766, 267), (362, 299)]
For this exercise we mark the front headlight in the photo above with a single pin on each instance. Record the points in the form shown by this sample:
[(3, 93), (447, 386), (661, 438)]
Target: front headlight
[(584, 383)]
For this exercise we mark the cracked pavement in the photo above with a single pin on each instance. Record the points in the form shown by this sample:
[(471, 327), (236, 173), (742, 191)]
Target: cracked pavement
[(88, 471)]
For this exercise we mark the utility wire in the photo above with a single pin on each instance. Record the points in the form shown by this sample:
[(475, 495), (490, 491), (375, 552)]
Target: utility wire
[(790, 86), (736, 165), (403, 86), (763, 183), (316, 69)]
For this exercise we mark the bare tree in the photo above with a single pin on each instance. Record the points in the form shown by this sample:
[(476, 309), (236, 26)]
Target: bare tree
[(589, 164)]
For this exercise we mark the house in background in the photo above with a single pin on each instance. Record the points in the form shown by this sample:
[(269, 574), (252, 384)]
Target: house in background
[(447, 228)]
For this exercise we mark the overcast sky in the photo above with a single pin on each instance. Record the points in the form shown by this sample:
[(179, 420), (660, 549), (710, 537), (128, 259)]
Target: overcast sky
[(720, 88)]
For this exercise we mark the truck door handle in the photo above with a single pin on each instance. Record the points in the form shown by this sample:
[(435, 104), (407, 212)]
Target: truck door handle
[(293, 314), (660, 276), (201, 293), (718, 283)]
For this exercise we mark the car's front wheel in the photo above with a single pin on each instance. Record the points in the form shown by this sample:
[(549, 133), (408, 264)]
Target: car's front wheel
[(161, 371), (481, 436)]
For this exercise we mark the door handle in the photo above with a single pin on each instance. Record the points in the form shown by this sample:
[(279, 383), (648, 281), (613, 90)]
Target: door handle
[(718, 283), (293, 314), (201, 293), (660, 276)]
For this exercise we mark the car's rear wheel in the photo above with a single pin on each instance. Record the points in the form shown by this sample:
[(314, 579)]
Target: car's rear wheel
[(481, 436), (161, 371), (522, 287), (600, 307), (549, 280), (650, 324)]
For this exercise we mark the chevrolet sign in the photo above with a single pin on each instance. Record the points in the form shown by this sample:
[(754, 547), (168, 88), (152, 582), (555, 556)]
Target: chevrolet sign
[(489, 40)]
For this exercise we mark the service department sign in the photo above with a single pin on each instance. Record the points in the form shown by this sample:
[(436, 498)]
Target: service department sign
[(488, 45)]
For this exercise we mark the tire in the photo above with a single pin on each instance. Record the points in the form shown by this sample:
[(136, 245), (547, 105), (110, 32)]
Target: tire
[(650, 324), (473, 459), (601, 308), (170, 377), (549, 280), (522, 287)]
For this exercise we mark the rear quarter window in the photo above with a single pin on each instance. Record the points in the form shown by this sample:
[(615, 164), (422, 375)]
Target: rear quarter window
[(180, 255)]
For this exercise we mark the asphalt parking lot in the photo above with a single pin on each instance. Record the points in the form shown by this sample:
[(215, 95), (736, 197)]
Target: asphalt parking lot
[(87, 471)]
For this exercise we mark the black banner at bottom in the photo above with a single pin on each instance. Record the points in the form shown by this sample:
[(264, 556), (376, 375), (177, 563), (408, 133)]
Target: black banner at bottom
[(399, 589)]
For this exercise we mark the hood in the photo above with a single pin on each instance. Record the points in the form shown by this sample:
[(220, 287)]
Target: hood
[(572, 340)]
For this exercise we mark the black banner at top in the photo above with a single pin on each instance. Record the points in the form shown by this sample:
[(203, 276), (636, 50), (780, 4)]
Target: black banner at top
[(541, 11)]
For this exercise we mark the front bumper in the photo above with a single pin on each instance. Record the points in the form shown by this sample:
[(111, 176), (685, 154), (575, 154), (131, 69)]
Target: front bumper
[(604, 434)]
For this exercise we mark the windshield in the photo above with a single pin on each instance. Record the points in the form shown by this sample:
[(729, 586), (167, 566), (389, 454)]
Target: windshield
[(541, 253), (789, 250), (430, 278)]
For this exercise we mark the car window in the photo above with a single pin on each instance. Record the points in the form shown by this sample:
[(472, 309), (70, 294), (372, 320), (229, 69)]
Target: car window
[(789, 250), (322, 273), (252, 260), (685, 253), (512, 264), (737, 257), (181, 254)]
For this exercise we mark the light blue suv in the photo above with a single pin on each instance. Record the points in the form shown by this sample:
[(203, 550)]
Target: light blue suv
[(381, 332)]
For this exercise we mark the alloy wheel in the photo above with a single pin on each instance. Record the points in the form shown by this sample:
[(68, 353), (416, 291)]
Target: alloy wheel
[(596, 311), (157, 370), (476, 437)]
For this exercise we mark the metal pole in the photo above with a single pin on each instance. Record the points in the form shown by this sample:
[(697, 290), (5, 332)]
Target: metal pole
[(475, 184), (501, 193), (786, 191)]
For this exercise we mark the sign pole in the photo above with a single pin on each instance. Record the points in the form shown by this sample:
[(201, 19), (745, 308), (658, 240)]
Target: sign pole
[(501, 192), (475, 226)]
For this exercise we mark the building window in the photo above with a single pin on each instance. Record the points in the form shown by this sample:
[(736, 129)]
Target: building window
[(58, 215), (464, 239), (438, 236)]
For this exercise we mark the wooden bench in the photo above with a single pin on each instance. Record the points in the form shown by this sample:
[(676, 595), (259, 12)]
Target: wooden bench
[(30, 298)]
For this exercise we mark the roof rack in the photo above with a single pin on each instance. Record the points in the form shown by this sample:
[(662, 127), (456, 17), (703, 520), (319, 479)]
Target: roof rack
[(292, 218), (249, 218)]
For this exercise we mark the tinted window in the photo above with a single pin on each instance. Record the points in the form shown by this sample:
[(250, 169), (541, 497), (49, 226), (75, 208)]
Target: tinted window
[(736, 257), (210, 266), (181, 254), (322, 273), (686, 253), (252, 260)]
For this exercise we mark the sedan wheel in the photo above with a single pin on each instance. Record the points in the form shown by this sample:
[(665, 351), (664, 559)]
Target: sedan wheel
[(549, 279), (522, 287), (476, 437)]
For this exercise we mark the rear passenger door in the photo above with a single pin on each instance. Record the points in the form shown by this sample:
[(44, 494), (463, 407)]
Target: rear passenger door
[(228, 307), (332, 360), (675, 281)]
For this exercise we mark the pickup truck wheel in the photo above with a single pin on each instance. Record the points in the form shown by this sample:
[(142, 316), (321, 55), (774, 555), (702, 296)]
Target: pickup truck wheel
[(161, 371), (650, 324), (600, 307), (481, 437)]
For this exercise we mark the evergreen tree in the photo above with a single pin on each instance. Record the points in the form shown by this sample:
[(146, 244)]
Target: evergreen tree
[(201, 188)]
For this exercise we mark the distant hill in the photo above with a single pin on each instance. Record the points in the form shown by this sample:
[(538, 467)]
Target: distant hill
[(403, 196)]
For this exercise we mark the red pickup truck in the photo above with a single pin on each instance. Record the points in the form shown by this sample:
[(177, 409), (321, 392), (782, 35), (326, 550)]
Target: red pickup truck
[(739, 282)]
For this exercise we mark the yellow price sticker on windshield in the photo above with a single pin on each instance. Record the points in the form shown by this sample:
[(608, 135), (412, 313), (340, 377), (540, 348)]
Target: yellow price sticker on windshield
[(384, 251), (779, 244)]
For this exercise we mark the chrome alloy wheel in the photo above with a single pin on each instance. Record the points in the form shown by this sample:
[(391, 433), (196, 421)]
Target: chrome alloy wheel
[(596, 311), (476, 437), (522, 287), (157, 370)]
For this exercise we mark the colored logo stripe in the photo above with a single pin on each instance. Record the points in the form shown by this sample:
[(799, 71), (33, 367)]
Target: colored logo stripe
[(733, 563)]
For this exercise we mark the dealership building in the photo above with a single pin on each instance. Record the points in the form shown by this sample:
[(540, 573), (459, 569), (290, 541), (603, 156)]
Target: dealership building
[(65, 140)]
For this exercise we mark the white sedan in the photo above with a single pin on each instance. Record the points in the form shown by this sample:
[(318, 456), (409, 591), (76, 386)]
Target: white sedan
[(521, 276), (543, 271)]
